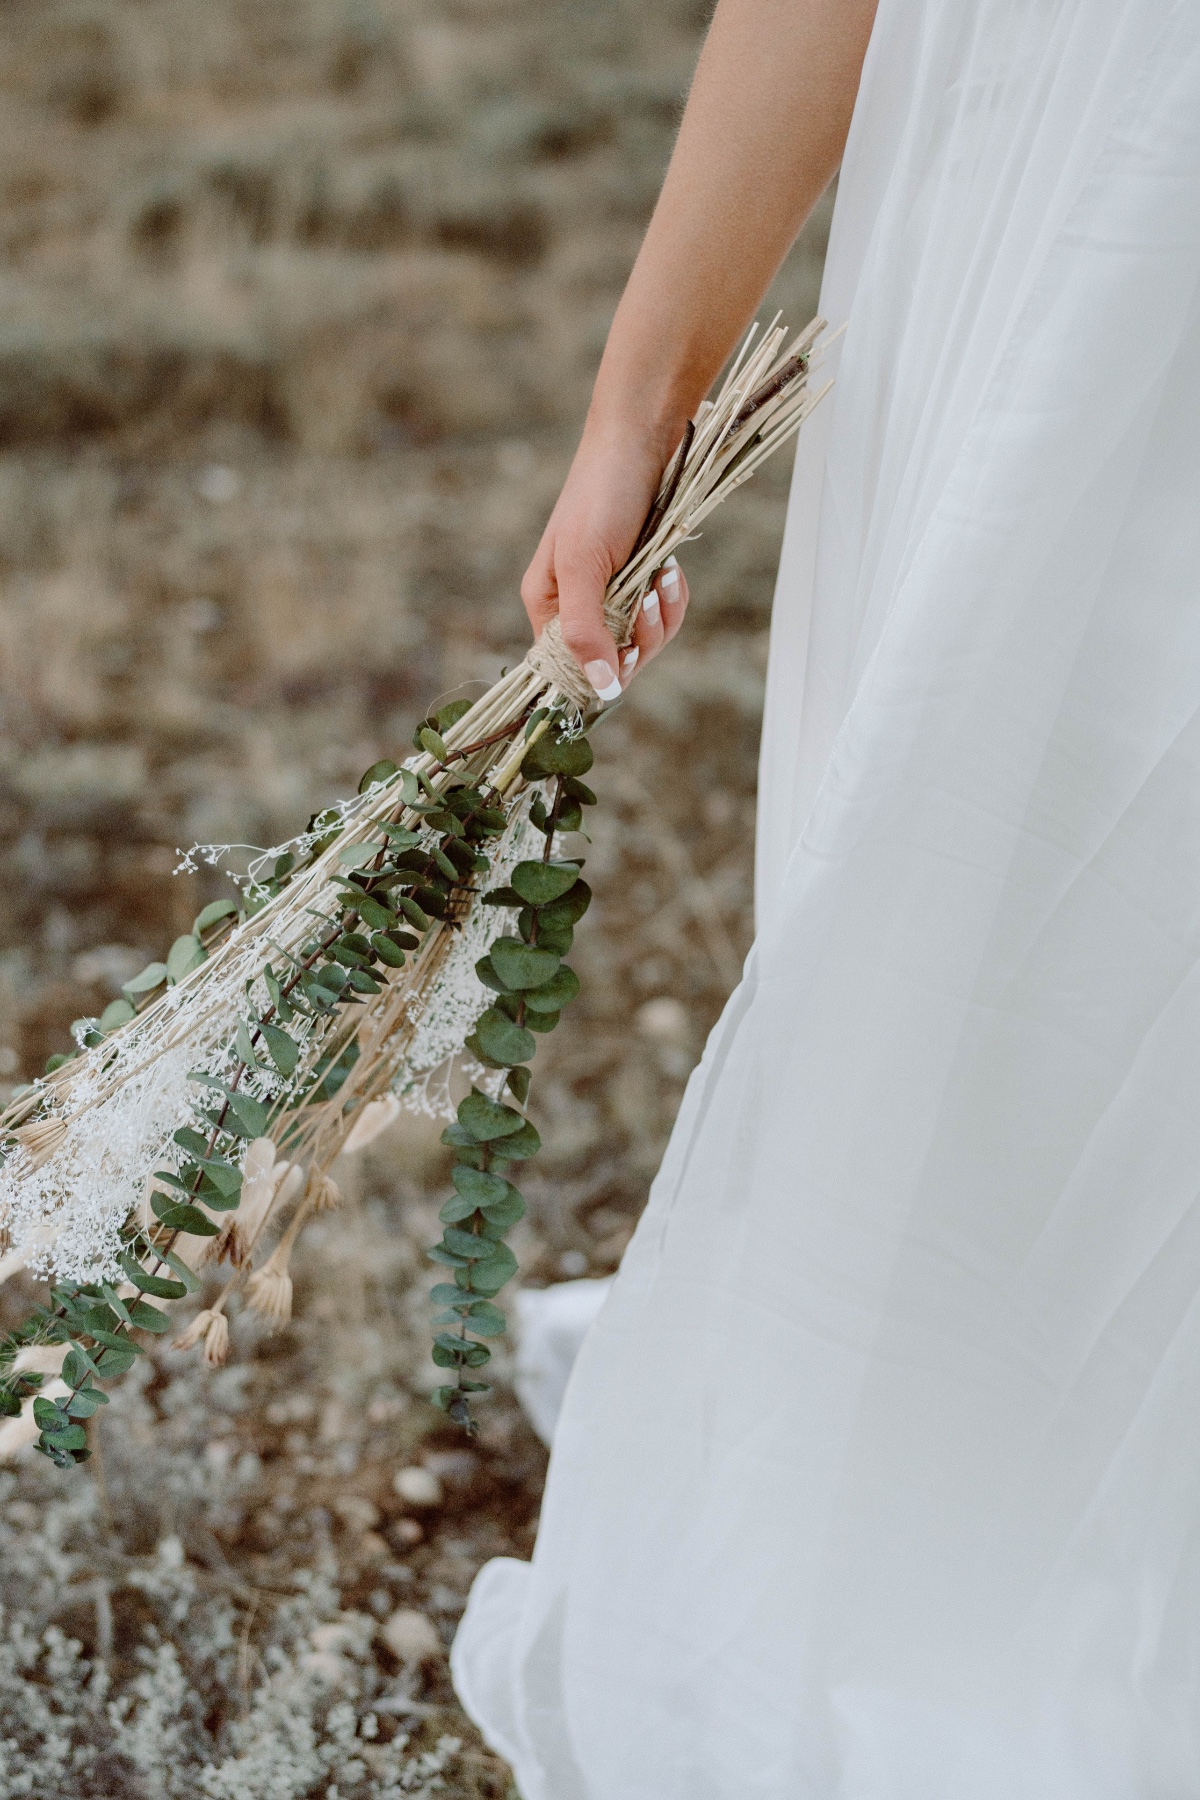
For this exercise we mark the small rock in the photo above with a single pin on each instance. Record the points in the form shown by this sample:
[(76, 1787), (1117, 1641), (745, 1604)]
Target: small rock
[(405, 1533), (455, 1467), (411, 1637), (419, 1487), (664, 1021), (218, 484), (357, 1512)]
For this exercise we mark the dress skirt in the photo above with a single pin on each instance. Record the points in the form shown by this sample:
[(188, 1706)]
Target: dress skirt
[(878, 1476)]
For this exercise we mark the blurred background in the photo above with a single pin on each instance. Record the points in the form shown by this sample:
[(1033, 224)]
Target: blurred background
[(300, 305)]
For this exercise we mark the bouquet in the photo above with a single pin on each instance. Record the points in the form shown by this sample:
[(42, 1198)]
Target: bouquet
[(418, 927)]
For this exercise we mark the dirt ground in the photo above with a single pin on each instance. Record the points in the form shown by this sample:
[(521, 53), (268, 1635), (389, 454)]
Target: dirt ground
[(299, 308)]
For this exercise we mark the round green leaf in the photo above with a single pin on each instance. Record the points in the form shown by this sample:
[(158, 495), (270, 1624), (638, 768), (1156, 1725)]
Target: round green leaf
[(380, 771), (555, 994), (185, 954), (520, 1144), (152, 976), (387, 951), (538, 883), (486, 1119), (521, 966), (466, 1244), (550, 756), (502, 1041), (478, 1186), (567, 911)]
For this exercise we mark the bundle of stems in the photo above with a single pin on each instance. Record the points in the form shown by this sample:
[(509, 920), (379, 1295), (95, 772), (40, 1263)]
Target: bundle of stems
[(281, 1030)]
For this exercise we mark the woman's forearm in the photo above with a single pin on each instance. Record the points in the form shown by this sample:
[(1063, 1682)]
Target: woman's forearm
[(762, 135)]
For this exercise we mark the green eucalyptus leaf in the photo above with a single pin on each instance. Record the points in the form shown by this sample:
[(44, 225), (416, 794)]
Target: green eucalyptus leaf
[(541, 1021), (487, 1119), (486, 972), (522, 966), (501, 1041), (503, 1214), (190, 1281), (478, 1186), (502, 896), (454, 1210), (556, 993), (518, 1085), (212, 914), (445, 1295), (489, 1275), (539, 883), (431, 741), (378, 917), (451, 713), (387, 951), (283, 1050), (148, 1318), (150, 1284), (182, 1217), (522, 1144), (486, 1319), (578, 790), (379, 771), (438, 1253), (549, 755), (252, 1113), (117, 1012), (568, 910), (412, 912), (223, 1175), (243, 1046), (151, 977), (465, 1244), (73, 1437), (185, 954)]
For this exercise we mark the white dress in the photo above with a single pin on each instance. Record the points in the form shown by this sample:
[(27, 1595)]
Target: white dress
[(878, 1477)]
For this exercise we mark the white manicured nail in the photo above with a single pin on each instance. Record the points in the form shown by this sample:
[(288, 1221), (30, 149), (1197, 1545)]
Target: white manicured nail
[(650, 603), (670, 576), (629, 658), (603, 678)]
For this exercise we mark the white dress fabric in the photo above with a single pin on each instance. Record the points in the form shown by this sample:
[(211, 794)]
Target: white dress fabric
[(878, 1476)]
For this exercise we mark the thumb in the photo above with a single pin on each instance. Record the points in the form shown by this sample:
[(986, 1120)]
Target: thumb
[(582, 579)]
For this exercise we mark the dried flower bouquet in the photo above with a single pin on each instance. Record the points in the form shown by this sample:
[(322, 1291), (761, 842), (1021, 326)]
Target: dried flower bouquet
[(207, 1104)]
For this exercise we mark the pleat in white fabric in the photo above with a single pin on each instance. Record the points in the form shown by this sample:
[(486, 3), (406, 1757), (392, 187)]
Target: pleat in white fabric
[(878, 1476)]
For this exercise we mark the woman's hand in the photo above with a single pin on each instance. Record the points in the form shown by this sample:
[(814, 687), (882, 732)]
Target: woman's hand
[(593, 528)]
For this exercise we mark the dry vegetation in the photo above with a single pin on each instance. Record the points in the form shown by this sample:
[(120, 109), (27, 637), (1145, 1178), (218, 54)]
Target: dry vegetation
[(301, 303)]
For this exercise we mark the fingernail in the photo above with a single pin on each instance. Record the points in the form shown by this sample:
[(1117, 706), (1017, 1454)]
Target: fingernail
[(629, 658), (650, 603), (670, 576), (604, 679)]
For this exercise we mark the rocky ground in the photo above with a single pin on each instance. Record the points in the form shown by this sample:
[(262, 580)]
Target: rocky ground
[(299, 307)]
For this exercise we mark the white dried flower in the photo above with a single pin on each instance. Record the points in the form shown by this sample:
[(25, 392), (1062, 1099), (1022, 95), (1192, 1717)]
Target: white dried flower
[(374, 1119), (269, 1291)]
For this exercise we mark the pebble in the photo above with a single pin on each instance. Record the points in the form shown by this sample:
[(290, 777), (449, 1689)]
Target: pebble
[(411, 1637), (420, 1487)]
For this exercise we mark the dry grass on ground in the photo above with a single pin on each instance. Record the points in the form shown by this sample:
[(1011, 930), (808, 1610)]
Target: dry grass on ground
[(300, 305)]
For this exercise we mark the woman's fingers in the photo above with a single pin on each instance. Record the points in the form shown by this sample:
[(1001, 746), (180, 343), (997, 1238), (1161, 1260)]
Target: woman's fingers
[(673, 592), (660, 617), (582, 575)]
